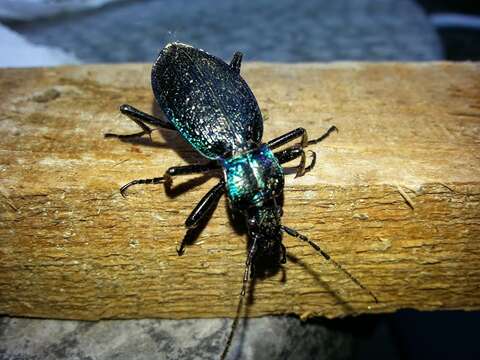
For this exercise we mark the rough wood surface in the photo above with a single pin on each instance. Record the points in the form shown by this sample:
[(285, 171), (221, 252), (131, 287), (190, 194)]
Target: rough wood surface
[(72, 247)]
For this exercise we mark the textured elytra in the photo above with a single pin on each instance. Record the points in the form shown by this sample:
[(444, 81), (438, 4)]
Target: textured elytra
[(208, 102)]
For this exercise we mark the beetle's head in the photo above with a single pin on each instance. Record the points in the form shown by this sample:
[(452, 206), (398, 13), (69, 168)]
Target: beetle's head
[(264, 226)]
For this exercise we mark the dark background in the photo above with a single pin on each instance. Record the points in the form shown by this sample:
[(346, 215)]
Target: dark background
[(409, 334), (459, 43), (265, 30)]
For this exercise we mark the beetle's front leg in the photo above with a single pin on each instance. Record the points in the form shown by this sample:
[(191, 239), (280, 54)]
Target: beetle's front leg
[(141, 119), (173, 171)]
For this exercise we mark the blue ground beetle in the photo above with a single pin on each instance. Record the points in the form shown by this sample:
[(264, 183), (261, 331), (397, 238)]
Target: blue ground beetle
[(211, 106)]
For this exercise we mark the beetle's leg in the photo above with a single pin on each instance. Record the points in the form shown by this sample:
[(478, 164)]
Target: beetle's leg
[(236, 61), (299, 132), (135, 114), (157, 180), (327, 257), (191, 169), (294, 152), (173, 171), (285, 138), (324, 136), (283, 259), (208, 201), (203, 208), (141, 119)]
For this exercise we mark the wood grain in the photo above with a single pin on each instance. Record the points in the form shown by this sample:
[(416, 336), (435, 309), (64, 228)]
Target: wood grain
[(394, 197)]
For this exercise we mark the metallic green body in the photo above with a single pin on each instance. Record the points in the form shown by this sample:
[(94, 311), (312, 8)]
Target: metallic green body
[(253, 178)]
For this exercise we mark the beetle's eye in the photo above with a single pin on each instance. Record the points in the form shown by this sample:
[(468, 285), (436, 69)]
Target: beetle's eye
[(251, 222)]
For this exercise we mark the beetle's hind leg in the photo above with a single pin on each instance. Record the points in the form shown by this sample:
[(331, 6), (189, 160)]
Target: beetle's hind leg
[(141, 119), (200, 212), (236, 61), (299, 132), (173, 171), (324, 136), (294, 152)]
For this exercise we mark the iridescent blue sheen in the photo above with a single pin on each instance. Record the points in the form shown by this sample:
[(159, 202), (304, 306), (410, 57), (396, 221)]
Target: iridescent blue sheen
[(252, 178)]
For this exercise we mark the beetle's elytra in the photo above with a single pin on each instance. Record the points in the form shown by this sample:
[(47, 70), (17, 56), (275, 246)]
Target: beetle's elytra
[(209, 104)]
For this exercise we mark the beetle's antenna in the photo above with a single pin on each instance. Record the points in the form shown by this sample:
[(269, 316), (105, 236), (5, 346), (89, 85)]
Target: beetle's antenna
[(248, 265), (327, 257), (232, 329)]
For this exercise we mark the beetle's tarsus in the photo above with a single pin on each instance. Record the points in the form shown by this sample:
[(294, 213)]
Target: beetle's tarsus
[(313, 155), (155, 181), (324, 136), (301, 167), (180, 250), (124, 188)]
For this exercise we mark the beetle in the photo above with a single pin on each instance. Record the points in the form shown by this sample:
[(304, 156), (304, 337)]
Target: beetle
[(211, 106)]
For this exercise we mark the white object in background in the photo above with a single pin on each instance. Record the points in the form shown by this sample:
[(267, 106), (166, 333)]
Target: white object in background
[(15, 51), (455, 20), (33, 9)]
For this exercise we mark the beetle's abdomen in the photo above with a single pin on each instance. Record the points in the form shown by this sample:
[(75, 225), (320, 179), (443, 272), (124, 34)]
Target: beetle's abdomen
[(252, 178)]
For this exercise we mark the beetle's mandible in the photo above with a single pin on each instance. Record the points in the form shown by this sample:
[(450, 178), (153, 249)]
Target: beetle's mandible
[(209, 104)]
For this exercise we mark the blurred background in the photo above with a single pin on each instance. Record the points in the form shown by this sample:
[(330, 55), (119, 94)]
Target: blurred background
[(51, 32), (56, 32)]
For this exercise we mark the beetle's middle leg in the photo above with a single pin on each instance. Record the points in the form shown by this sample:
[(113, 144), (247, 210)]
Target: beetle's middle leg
[(203, 208), (294, 152), (173, 171), (141, 119)]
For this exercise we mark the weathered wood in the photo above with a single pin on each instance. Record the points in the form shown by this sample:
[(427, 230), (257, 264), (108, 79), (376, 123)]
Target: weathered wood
[(72, 247)]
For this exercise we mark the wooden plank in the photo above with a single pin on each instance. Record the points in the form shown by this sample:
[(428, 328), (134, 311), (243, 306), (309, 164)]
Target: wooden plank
[(72, 247)]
